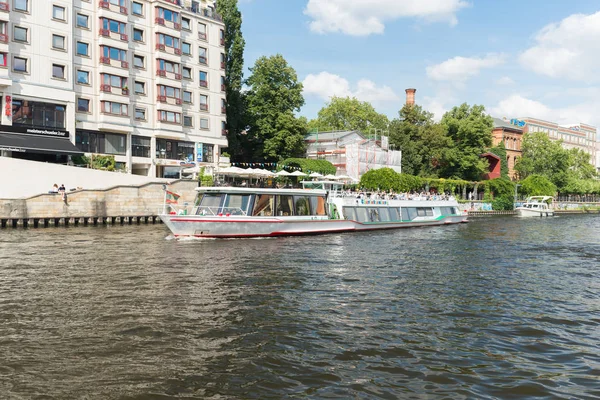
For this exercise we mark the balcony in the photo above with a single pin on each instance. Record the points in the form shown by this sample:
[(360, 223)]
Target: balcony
[(204, 84), (177, 26), (205, 12), (223, 132), (125, 91), (222, 64), (108, 6), (160, 47), (223, 110), (104, 32), (159, 21), (124, 37), (222, 88), (161, 99), (105, 60), (124, 64), (178, 102), (203, 107), (178, 77), (106, 88), (161, 72), (4, 6), (3, 38), (202, 60), (222, 41), (201, 35), (177, 51)]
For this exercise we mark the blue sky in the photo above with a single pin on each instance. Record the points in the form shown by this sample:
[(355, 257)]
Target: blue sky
[(518, 58)]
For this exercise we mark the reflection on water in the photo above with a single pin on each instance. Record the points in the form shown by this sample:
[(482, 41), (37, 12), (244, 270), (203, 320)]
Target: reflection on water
[(500, 307)]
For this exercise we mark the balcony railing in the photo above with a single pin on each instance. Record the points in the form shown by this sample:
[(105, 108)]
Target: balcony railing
[(161, 72), (204, 107), (177, 51), (124, 64), (178, 77), (204, 83), (3, 38), (160, 47), (104, 60), (177, 26), (125, 91), (124, 37), (223, 110), (223, 132), (201, 35), (123, 10), (106, 88), (222, 64), (4, 6), (205, 12), (202, 60), (159, 21), (104, 4), (104, 32), (222, 41), (222, 88), (178, 102), (161, 99)]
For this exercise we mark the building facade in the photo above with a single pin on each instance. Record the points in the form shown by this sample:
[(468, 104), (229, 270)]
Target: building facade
[(512, 137), (143, 80)]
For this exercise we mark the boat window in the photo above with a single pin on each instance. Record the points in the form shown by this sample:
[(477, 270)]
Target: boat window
[(285, 205), (350, 213), (373, 214), (384, 214), (301, 205), (394, 215), (263, 205), (447, 210), (424, 211), (317, 205), (361, 214), (212, 200), (236, 204), (411, 213)]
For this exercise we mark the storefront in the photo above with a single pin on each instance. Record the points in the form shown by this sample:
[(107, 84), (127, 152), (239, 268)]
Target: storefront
[(170, 154), (37, 144)]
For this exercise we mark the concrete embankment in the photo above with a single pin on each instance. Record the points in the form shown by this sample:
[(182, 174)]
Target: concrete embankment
[(118, 204)]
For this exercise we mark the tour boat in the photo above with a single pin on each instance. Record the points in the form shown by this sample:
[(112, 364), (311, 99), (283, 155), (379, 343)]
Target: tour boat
[(536, 206), (318, 208)]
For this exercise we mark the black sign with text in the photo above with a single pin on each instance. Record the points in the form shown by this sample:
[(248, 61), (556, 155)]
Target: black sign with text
[(29, 130)]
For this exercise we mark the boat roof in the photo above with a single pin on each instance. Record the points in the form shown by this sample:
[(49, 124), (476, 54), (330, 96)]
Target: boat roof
[(247, 190), (538, 198)]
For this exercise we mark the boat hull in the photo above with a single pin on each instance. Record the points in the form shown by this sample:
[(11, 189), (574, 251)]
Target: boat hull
[(528, 212), (239, 227)]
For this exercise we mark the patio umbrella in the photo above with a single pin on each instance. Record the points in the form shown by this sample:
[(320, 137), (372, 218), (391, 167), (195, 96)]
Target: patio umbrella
[(297, 173), (283, 172), (332, 177), (265, 173), (315, 175), (344, 177)]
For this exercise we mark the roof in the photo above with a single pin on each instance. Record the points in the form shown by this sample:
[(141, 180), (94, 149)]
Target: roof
[(37, 144), (331, 135), (500, 123)]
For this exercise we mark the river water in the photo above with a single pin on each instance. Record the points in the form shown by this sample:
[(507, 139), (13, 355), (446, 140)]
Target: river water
[(498, 308)]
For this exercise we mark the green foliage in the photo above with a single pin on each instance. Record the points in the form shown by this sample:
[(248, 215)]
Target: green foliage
[(503, 203), (501, 187), (234, 65), (348, 113), (471, 131), (380, 179), (273, 96), (323, 167), (205, 180), (106, 163), (408, 183), (500, 151), (537, 185)]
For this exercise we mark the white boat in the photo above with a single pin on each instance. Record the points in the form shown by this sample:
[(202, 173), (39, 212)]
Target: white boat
[(234, 212), (536, 206)]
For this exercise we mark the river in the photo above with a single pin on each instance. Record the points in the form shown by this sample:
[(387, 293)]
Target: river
[(501, 307)]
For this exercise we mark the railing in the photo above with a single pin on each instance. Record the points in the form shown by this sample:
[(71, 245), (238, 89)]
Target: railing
[(204, 83), (205, 12), (185, 209), (204, 107), (105, 88), (202, 60), (3, 37), (4, 6), (201, 35), (222, 64)]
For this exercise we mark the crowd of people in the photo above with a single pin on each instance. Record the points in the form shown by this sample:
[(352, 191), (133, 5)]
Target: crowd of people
[(382, 195)]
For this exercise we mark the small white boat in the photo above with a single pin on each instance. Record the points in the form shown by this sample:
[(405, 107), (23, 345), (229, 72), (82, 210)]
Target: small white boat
[(536, 206), (233, 212)]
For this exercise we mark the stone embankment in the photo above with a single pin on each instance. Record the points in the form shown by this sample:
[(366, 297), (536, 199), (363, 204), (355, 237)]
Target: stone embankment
[(118, 204)]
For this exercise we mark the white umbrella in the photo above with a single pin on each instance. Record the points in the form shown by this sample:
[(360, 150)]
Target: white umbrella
[(266, 173), (344, 177), (298, 173), (315, 175), (283, 172), (333, 177)]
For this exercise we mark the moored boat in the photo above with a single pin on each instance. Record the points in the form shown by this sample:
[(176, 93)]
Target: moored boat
[(230, 212), (536, 206)]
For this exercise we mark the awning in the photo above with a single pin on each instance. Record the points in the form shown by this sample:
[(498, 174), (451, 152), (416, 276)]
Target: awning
[(37, 144)]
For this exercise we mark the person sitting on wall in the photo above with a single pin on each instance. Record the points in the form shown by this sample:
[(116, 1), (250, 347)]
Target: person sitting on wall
[(63, 191), (54, 189)]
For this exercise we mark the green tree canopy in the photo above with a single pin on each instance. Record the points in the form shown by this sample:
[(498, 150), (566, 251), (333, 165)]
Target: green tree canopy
[(537, 185), (348, 113), (274, 95), (500, 151), (542, 156), (308, 165), (471, 131)]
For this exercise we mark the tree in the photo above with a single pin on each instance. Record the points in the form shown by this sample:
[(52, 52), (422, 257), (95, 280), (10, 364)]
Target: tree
[(500, 151), (471, 131), (347, 114), (234, 65), (542, 156), (424, 143), (273, 96), (537, 185)]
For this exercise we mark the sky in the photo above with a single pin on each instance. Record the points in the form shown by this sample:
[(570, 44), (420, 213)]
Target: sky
[(525, 58)]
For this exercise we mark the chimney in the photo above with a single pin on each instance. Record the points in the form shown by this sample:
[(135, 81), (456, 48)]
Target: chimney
[(410, 96)]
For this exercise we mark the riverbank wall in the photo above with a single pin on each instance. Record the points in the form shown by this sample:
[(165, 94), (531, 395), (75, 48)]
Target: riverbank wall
[(117, 204)]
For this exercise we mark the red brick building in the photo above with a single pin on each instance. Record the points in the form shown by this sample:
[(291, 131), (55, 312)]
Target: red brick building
[(512, 137)]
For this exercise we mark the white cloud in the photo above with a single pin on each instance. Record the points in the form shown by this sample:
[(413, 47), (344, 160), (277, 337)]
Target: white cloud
[(569, 49), (519, 106), (505, 81), (327, 85), (365, 17), (459, 69)]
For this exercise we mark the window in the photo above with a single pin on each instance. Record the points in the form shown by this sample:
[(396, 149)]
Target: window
[(174, 150), (187, 97), (99, 142), (21, 5), (83, 105), (138, 61), (186, 48), (83, 49), (169, 91), (3, 61), (140, 114), (110, 81), (167, 40), (38, 114), (111, 107), (185, 24), (201, 31), (222, 37), (58, 12), (187, 72), (203, 102), (168, 66), (113, 26), (114, 53), (4, 30), (137, 8), (20, 34), (19, 64), (168, 15), (203, 123), (202, 55), (138, 35), (58, 71), (187, 121), (223, 128), (222, 83), (264, 204), (58, 42), (83, 77), (169, 116), (140, 146), (83, 21), (140, 87), (203, 79)]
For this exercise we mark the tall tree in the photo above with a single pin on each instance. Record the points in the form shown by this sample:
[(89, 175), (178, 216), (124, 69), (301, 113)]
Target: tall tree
[(234, 66), (471, 131), (348, 113), (274, 95)]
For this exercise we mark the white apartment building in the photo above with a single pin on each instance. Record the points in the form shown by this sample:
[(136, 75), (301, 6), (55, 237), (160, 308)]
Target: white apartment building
[(142, 80)]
